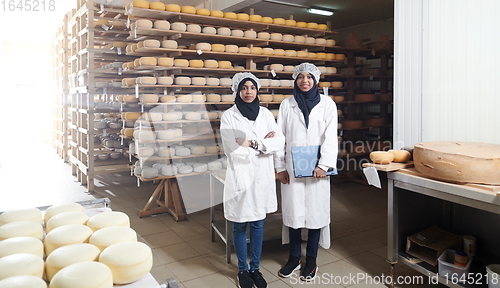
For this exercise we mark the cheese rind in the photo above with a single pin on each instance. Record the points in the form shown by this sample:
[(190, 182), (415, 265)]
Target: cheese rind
[(70, 254), (83, 275), (66, 235), (23, 281), (66, 218), (21, 264), (128, 261), (21, 228), (25, 214), (108, 236), (21, 244), (63, 207), (113, 218)]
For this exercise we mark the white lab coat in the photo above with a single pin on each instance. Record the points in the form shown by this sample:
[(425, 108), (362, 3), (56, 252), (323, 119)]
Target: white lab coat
[(250, 188), (306, 201)]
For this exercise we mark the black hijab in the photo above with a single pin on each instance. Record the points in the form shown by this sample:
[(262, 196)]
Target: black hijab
[(306, 100), (248, 110)]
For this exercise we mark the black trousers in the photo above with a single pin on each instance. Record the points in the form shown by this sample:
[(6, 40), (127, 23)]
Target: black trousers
[(312, 243)]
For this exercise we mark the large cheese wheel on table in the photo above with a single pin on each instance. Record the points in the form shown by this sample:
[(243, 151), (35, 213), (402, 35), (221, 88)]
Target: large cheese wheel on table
[(456, 161), (128, 261), (70, 254), (23, 281), (83, 275)]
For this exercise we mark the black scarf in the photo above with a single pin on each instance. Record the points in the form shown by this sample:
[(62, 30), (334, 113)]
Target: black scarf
[(306, 100), (248, 110)]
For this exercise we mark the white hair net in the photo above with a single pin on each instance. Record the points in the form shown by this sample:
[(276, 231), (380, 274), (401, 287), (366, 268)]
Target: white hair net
[(306, 67), (240, 76)]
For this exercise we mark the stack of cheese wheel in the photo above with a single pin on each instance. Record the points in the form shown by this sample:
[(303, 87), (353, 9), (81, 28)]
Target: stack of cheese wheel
[(26, 214), (66, 218)]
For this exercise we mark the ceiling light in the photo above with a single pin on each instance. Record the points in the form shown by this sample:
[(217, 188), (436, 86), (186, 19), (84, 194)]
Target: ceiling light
[(320, 11)]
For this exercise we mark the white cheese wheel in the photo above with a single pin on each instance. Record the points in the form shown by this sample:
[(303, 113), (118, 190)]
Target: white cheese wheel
[(177, 132), (63, 207), (169, 170), (21, 228), (288, 68), (300, 39), (312, 25), (153, 116), (214, 165), (277, 67), (170, 116), (185, 169), (211, 81), (152, 43), (290, 53), (25, 214), (268, 20), (217, 13), (264, 35), (225, 81), (332, 70), (279, 52), (70, 254), (21, 264), (310, 40), (227, 98), (143, 23), (330, 42), (276, 36), (188, 9), (113, 218), (166, 152), (279, 21), (237, 33), (108, 236), (157, 6), (162, 24), (167, 98), (147, 80), (147, 61), (145, 151), (250, 34), (184, 98), (288, 38), (197, 150), (23, 281), (196, 64), (224, 31), (182, 151), (213, 98), (275, 83), (83, 275), (244, 50), (193, 28), (66, 218), (178, 26), (225, 64), (266, 97), (267, 51), (203, 46), (200, 167), (165, 80), (211, 63), (149, 98), (169, 44), (264, 82), (256, 50), (199, 97), (182, 80), (149, 173), (173, 7), (209, 30), (128, 261), (21, 244), (66, 235), (192, 116), (218, 47), (203, 11), (205, 129), (322, 69), (165, 134), (144, 135), (181, 63), (320, 41)]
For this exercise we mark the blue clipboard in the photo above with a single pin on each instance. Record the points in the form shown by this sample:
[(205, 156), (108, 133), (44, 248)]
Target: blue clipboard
[(305, 159)]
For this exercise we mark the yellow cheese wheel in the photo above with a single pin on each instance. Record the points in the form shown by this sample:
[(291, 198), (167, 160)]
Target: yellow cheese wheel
[(203, 11), (188, 9), (157, 6), (302, 54), (266, 97), (381, 157), (211, 63), (25, 214), (400, 155), (149, 98), (311, 55), (147, 61), (130, 98), (217, 13), (66, 218), (83, 274), (279, 52), (255, 18), (322, 26), (330, 42), (301, 24), (151, 43), (66, 235), (231, 48), (173, 7), (120, 44), (140, 4), (21, 264), (145, 80), (330, 56), (181, 63), (127, 132), (290, 22), (256, 50), (279, 21), (23, 281), (131, 115), (21, 228), (321, 55), (21, 244), (169, 44), (218, 47), (244, 50), (165, 61), (312, 25), (213, 98), (113, 218), (324, 84), (278, 97), (230, 15), (70, 254), (167, 98), (225, 64), (337, 84), (268, 20), (128, 261), (339, 57), (243, 16), (196, 63)]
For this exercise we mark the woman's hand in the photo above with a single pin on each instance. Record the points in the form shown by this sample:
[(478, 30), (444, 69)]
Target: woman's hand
[(283, 177), (270, 135), (319, 173), (242, 142)]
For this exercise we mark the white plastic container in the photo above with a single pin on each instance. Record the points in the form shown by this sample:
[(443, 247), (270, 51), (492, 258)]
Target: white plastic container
[(447, 269), (493, 274)]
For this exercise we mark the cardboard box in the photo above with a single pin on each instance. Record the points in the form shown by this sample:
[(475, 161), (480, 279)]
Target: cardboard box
[(430, 243)]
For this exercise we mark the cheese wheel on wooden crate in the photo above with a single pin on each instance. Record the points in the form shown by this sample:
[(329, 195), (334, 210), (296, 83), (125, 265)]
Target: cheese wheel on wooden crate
[(24, 214), (157, 6), (173, 8), (203, 11), (66, 235), (244, 50), (209, 30), (184, 98), (21, 228), (23, 281), (188, 9), (107, 219), (209, 63), (161, 24), (193, 28), (182, 80), (21, 264), (217, 13), (268, 20), (381, 157), (224, 31), (21, 244), (144, 23), (250, 34), (66, 218), (70, 254), (178, 26), (83, 274)]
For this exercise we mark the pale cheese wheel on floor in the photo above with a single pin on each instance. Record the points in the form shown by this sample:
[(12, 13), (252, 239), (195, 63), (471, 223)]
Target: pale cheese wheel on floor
[(107, 219), (23, 281), (210, 63), (188, 9), (244, 50), (217, 13), (218, 47), (165, 134), (203, 11), (66, 235), (66, 218), (21, 228), (157, 6), (161, 24), (211, 81), (203, 46), (196, 63), (25, 214), (70, 254), (178, 26), (268, 20), (83, 275), (209, 30), (128, 261), (237, 33), (250, 34), (169, 44), (225, 81), (184, 98), (300, 39), (152, 43), (63, 207), (21, 244), (165, 80), (290, 53), (199, 97), (182, 80), (144, 23), (145, 151), (193, 116), (149, 98), (193, 28), (173, 7), (167, 98), (21, 264), (224, 31)]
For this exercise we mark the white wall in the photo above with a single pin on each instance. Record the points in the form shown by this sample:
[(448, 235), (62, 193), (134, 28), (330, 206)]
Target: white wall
[(446, 71)]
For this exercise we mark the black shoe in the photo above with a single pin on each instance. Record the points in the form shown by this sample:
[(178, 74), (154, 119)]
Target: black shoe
[(293, 264), (244, 280), (258, 280), (310, 271)]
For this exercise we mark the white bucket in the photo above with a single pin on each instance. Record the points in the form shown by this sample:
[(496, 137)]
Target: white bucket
[(493, 273)]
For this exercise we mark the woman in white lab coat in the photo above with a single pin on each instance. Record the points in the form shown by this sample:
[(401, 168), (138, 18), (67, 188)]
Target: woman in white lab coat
[(250, 137), (306, 119)]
